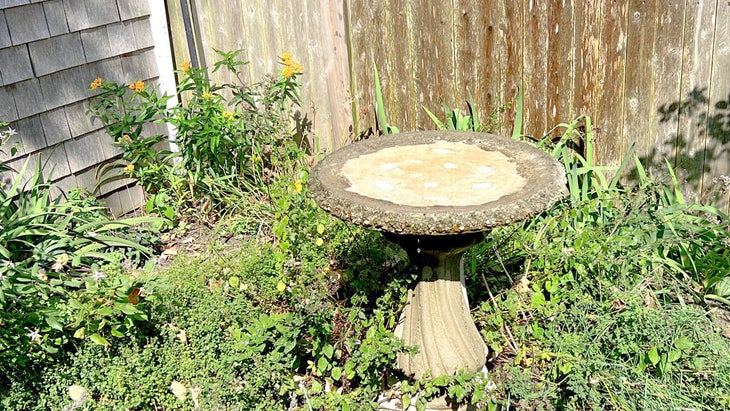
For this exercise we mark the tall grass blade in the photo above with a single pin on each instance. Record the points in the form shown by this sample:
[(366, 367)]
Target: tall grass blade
[(439, 123), (382, 122)]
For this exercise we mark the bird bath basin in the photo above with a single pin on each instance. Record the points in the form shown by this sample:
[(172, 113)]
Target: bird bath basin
[(436, 193)]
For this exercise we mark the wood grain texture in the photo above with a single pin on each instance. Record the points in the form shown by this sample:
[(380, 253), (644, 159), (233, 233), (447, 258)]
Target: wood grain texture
[(600, 66), (560, 63), (535, 67), (691, 109), (717, 144)]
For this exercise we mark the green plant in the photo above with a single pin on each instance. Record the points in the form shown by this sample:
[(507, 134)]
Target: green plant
[(456, 120), (382, 124), (51, 249), (233, 138)]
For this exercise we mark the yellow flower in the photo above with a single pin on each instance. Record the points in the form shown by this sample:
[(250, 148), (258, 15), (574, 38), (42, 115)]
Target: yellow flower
[(97, 83), (298, 186), (291, 67), (185, 66), (228, 115), (137, 86), (129, 168), (281, 286), (207, 95), (125, 139)]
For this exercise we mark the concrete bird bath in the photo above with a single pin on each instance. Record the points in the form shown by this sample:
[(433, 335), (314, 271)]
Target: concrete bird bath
[(436, 193)]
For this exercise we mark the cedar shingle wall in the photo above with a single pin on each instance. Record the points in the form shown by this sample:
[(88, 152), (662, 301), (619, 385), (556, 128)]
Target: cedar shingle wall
[(50, 51)]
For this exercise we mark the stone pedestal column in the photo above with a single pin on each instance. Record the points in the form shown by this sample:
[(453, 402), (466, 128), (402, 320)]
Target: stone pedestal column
[(437, 318)]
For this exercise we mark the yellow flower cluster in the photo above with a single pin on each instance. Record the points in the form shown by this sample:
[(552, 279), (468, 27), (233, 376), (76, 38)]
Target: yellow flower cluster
[(207, 95), (97, 83), (185, 66), (137, 86), (129, 168), (228, 115), (125, 139), (291, 66)]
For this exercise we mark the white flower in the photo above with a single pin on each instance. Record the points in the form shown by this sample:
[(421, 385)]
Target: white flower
[(78, 394), (179, 390), (34, 335), (98, 275)]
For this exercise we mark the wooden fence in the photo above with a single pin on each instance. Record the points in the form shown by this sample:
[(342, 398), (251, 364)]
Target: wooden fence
[(652, 75)]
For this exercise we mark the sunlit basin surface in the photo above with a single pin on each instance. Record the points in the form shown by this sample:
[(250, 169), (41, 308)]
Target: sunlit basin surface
[(442, 173)]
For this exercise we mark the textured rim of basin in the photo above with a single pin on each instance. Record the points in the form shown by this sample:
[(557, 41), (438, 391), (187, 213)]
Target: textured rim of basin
[(545, 185)]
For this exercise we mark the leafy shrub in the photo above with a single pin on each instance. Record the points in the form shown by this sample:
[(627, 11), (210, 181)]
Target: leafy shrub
[(232, 138), (57, 280)]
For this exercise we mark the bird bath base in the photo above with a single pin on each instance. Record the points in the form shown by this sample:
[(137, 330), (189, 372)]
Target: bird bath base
[(436, 193)]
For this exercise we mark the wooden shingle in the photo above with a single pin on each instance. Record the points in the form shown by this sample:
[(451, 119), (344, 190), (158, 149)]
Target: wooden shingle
[(56, 17), (4, 33), (84, 14), (121, 38), (55, 126), (7, 105), (131, 9), (139, 66), (27, 23), (28, 97), (96, 44), (57, 53), (84, 152), (15, 64), (4, 4), (31, 135), (78, 122)]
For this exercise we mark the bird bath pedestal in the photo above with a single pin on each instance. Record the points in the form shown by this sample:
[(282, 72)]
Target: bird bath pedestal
[(436, 193)]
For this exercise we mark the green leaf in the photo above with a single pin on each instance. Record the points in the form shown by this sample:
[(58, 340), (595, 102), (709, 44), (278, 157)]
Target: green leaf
[(683, 344), (53, 323), (674, 355), (653, 355), (336, 373), (98, 339), (323, 365)]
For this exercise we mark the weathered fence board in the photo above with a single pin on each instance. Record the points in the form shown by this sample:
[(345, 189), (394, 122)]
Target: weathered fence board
[(717, 145)]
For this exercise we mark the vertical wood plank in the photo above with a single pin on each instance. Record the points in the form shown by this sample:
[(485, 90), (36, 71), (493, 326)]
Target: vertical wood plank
[(433, 58), (667, 61), (560, 64), (717, 145), (379, 32), (639, 76), (534, 72), (653, 77), (489, 58), (601, 65), (690, 110)]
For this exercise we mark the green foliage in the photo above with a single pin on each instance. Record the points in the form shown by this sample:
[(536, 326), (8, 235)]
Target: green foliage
[(233, 138), (455, 119), (602, 315), (56, 254)]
